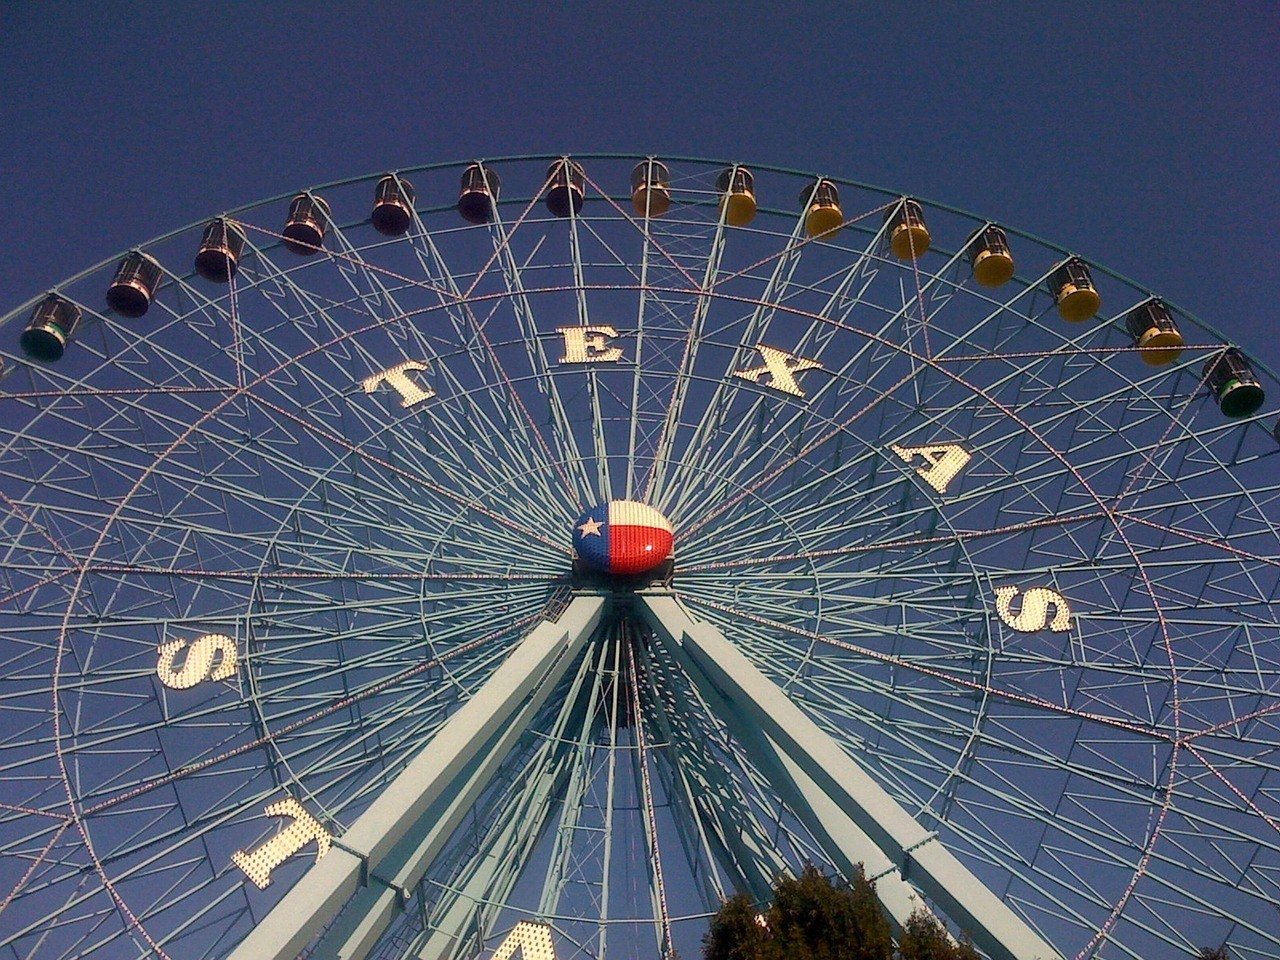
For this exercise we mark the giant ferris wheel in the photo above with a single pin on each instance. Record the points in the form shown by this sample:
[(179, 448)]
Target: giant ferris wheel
[(519, 557)]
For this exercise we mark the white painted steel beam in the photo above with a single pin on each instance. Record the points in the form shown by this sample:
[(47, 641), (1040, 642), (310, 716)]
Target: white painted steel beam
[(532, 670), (370, 912), (845, 843), (917, 852)]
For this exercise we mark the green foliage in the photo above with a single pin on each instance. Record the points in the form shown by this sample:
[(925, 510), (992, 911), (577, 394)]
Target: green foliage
[(734, 933), (811, 919), (925, 938), (814, 919)]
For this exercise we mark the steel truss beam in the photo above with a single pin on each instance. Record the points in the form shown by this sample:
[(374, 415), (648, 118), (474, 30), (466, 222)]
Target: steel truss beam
[(839, 837), (737, 840), (381, 843), (464, 917), (372, 910), (840, 794)]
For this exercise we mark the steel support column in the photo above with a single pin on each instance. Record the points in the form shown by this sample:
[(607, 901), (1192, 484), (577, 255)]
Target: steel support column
[(370, 912), (718, 665), (535, 666), (844, 842)]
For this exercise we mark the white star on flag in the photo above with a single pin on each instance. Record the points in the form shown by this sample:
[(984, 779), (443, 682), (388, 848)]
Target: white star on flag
[(591, 528)]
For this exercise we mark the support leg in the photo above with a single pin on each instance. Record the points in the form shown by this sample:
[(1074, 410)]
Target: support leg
[(531, 672), (718, 664)]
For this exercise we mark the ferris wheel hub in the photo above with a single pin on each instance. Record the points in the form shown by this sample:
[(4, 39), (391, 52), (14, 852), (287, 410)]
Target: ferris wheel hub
[(622, 538)]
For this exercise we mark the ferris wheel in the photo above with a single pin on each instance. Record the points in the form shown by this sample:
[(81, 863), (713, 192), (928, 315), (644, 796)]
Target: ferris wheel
[(519, 557)]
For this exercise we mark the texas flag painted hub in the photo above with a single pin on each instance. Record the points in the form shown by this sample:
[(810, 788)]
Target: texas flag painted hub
[(622, 537)]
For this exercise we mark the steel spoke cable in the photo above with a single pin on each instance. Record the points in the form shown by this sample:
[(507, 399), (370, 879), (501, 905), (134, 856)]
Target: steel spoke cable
[(646, 794), (517, 294), (100, 392), (750, 489), (646, 230), (296, 574), (363, 265), (35, 863), (640, 227), (915, 667), (434, 487), (763, 310), (463, 299), (326, 711), (905, 543), (915, 275), (1271, 821)]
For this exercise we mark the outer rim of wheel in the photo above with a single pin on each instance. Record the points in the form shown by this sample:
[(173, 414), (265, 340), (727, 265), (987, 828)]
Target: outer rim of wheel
[(19, 311)]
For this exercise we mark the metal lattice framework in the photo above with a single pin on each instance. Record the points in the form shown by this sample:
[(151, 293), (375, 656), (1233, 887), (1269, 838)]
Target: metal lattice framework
[(1053, 658)]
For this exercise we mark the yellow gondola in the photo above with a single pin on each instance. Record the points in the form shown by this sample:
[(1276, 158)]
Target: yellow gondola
[(822, 208), (1073, 289), (651, 188), (990, 257), (737, 196)]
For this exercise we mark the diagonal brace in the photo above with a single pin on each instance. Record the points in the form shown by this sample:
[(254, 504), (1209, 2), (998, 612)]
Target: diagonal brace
[(721, 667), (534, 668)]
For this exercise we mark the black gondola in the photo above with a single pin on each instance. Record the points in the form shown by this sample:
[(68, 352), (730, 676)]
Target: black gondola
[(566, 187), (220, 249), (53, 323), (481, 188), (392, 206), (134, 286), (308, 220)]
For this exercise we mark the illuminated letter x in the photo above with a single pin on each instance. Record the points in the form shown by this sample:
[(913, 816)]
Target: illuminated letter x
[(781, 368)]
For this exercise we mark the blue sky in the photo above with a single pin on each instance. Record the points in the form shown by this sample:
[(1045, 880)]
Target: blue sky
[(1143, 136)]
